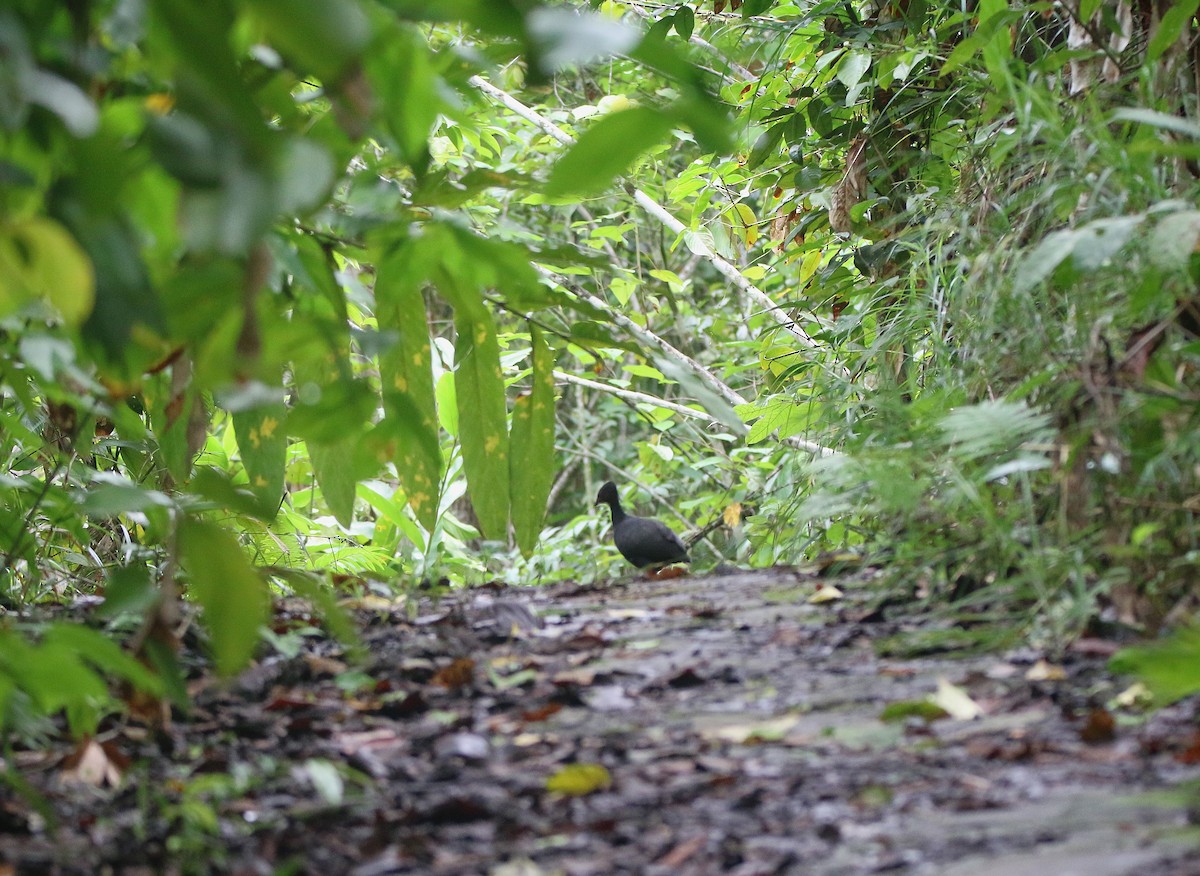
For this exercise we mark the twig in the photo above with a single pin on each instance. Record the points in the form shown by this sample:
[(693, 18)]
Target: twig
[(725, 268)]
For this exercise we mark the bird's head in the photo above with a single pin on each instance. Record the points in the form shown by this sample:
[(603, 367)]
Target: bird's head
[(608, 494)]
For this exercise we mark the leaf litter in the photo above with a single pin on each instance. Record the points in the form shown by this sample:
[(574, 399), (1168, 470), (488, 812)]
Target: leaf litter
[(620, 730)]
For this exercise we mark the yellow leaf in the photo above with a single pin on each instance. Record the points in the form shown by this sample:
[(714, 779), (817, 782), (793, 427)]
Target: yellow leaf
[(825, 593), (579, 779), (733, 515), (955, 701), (1043, 671), (39, 257), (746, 222)]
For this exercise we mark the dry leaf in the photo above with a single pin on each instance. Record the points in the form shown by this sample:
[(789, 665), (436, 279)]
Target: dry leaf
[(460, 673), (1043, 671), (825, 593), (1100, 727), (94, 764), (955, 701)]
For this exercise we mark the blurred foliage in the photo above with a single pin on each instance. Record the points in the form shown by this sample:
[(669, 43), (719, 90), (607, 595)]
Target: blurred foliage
[(293, 291)]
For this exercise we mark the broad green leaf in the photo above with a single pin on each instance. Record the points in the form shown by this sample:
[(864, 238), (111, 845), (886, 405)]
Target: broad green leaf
[(1170, 668), (851, 70), (110, 499), (336, 470), (128, 589), (401, 70), (38, 258), (326, 413), (104, 654), (262, 443), (406, 373), (57, 678), (684, 21), (482, 422), (565, 37), (321, 36), (1041, 261), (605, 150), (402, 437), (235, 600), (532, 461), (304, 177), (1177, 16)]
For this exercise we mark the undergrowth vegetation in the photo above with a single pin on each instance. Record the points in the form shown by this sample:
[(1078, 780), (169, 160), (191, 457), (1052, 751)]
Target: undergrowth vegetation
[(373, 296)]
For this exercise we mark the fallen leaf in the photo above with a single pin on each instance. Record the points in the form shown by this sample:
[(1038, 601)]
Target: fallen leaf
[(682, 853), (1044, 671), (825, 593), (1136, 696), (579, 779), (1191, 755), (324, 665), (955, 701), (749, 734), (1099, 728), (542, 713), (460, 673), (94, 764)]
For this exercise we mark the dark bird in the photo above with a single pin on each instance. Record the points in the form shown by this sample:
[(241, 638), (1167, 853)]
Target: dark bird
[(646, 543)]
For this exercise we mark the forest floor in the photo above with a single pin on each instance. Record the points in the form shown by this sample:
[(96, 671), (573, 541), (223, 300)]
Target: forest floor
[(695, 725)]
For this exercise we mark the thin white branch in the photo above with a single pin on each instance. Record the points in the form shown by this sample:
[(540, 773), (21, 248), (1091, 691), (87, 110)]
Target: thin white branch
[(650, 339), (638, 397), (728, 270)]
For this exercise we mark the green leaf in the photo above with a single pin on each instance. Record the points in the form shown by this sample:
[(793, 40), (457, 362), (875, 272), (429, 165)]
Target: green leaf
[(851, 70), (262, 443), (235, 600), (335, 469), (104, 654), (1170, 28), (482, 421), (1170, 668), (38, 258), (684, 21), (120, 496), (605, 150), (532, 461), (321, 36), (563, 37), (406, 374), (402, 71)]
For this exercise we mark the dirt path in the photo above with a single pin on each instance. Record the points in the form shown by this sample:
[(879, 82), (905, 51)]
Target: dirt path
[(695, 725)]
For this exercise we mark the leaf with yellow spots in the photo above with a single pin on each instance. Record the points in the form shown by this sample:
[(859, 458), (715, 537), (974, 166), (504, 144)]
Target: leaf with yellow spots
[(263, 448), (407, 368), (482, 420), (532, 462)]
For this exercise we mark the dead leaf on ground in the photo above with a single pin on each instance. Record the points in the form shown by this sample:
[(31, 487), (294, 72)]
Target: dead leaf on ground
[(825, 593), (1045, 671), (96, 764), (458, 674), (682, 853), (1100, 727), (955, 701)]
